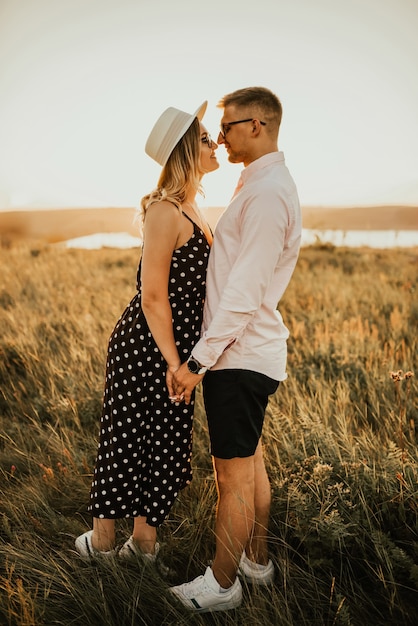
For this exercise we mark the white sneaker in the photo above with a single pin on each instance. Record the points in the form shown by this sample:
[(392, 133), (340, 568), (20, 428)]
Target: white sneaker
[(130, 551), (85, 548), (203, 594), (254, 573)]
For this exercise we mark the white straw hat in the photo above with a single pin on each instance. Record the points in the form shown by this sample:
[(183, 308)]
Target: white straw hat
[(168, 130)]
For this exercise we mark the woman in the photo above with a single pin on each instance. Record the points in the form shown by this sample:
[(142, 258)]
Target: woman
[(144, 453)]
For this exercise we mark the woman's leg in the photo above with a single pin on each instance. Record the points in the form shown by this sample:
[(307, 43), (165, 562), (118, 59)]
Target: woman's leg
[(103, 538), (144, 535)]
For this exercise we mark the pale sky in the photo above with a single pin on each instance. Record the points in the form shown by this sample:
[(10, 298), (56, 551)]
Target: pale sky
[(83, 81)]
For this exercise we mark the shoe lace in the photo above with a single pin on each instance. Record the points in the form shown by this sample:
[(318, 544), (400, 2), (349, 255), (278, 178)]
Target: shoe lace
[(190, 588)]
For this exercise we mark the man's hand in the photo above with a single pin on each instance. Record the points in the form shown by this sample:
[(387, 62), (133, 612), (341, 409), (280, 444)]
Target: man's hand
[(184, 382)]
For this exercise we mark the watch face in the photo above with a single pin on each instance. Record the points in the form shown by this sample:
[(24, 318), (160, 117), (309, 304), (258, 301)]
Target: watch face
[(193, 366)]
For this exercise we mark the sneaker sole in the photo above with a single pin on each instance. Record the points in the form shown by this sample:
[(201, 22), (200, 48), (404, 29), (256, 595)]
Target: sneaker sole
[(219, 607), (192, 604)]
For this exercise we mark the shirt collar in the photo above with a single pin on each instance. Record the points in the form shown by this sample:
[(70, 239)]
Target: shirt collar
[(260, 163)]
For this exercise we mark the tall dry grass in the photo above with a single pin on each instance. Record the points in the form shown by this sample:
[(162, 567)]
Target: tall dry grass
[(340, 443)]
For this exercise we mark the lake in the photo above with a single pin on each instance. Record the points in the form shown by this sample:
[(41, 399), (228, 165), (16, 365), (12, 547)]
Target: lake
[(350, 238)]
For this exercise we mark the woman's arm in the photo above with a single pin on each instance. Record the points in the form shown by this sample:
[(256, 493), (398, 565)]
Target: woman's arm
[(161, 232)]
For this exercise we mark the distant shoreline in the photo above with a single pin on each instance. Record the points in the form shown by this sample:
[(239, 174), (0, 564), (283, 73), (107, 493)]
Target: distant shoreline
[(389, 217), (55, 225)]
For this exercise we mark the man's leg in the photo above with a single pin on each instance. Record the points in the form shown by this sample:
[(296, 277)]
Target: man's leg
[(256, 548), (235, 515)]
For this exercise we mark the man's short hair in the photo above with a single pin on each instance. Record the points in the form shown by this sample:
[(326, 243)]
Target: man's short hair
[(259, 100)]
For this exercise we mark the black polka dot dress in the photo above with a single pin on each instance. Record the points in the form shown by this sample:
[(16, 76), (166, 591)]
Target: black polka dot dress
[(145, 444)]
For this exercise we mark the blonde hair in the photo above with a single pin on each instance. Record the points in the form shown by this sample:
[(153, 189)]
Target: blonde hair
[(181, 173)]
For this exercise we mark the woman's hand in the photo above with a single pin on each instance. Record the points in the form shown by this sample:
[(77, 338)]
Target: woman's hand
[(169, 377)]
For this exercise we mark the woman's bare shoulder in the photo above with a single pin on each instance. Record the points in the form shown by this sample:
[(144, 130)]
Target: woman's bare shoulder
[(164, 208)]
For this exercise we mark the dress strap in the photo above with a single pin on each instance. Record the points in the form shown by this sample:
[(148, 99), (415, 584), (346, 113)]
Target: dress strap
[(189, 218), (197, 225)]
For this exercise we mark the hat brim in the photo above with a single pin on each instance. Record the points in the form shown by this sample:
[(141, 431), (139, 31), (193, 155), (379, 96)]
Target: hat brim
[(168, 130), (201, 111)]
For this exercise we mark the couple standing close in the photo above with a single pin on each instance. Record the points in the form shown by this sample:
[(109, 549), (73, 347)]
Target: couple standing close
[(160, 349)]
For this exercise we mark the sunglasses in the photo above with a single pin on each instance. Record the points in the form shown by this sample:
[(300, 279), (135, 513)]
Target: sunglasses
[(225, 128), (208, 140)]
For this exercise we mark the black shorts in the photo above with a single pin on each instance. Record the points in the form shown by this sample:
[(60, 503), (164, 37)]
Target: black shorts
[(235, 403)]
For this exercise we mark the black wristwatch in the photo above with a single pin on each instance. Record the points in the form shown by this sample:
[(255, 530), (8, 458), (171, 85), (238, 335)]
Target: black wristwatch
[(195, 367)]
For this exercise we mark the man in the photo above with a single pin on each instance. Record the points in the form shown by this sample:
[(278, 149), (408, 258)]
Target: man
[(242, 352)]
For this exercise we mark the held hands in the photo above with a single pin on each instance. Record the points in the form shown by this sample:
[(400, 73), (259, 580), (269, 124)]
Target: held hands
[(169, 379), (184, 382)]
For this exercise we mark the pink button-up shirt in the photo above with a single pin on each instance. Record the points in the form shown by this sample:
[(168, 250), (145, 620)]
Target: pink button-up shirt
[(254, 252)]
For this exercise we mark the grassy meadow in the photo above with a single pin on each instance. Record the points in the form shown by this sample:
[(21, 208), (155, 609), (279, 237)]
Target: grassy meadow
[(340, 443)]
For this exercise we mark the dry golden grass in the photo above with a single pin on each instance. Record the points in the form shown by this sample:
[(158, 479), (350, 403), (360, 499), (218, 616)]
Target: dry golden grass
[(340, 442)]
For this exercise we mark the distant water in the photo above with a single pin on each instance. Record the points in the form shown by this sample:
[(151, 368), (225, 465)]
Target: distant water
[(357, 238), (104, 240), (351, 239)]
